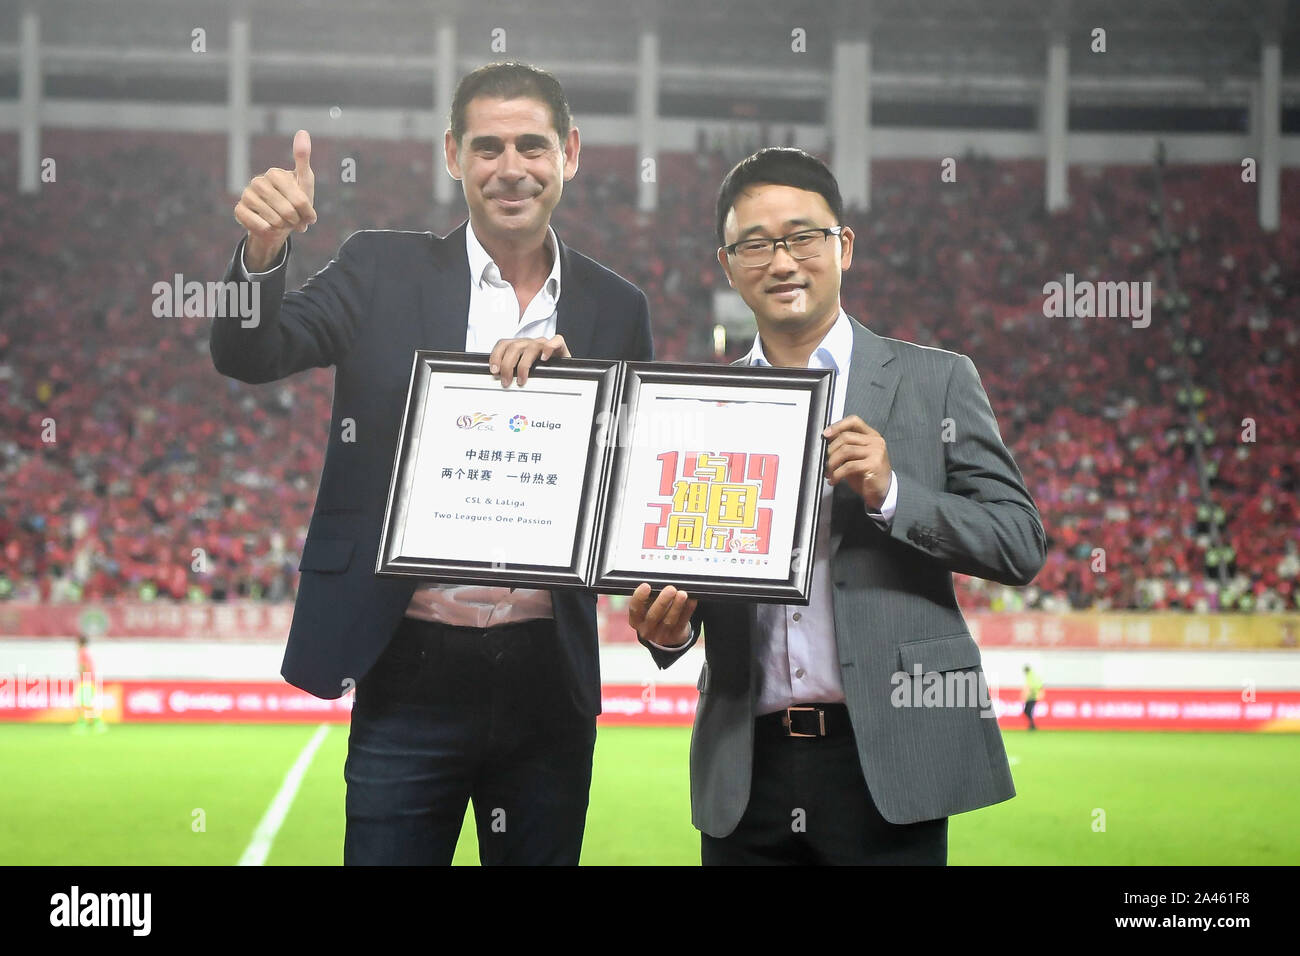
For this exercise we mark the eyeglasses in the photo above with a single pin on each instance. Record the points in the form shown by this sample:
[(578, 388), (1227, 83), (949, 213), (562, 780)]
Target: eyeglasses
[(804, 244)]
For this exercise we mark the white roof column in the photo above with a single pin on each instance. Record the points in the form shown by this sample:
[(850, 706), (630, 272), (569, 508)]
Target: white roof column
[(444, 88), (238, 94), (29, 101), (1054, 121), (1268, 129), (850, 119), (647, 116)]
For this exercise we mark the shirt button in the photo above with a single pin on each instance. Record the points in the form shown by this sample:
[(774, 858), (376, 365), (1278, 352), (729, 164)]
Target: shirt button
[(798, 672), (797, 615)]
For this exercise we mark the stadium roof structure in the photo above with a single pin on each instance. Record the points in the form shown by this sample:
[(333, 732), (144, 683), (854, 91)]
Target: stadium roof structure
[(1158, 51)]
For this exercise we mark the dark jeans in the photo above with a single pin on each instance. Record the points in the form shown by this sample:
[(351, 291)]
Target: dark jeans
[(809, 804), (452, 715), (1029, 712)]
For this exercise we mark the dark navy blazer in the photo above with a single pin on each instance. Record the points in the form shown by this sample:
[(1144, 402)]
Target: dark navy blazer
[(384, 295)]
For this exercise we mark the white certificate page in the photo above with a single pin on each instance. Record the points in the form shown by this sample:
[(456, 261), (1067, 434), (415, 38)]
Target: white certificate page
[(712, 484), (498, 472)]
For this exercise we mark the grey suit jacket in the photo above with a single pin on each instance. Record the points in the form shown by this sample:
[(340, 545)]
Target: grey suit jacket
[(962, 507)]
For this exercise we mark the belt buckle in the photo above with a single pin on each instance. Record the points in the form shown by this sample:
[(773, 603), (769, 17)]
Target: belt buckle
[(788, 723)]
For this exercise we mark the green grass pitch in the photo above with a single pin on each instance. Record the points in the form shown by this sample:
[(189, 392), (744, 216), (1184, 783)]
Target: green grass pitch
[(136, 794)]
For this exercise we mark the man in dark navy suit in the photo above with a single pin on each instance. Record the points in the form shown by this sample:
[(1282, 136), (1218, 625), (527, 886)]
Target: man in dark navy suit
[(462, 692)]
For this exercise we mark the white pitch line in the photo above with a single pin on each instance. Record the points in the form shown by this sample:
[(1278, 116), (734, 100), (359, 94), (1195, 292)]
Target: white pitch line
[(264, 835)]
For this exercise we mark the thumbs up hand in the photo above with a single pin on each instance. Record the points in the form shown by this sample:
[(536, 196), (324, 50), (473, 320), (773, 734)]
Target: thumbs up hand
[(275, 204), (302, 173)]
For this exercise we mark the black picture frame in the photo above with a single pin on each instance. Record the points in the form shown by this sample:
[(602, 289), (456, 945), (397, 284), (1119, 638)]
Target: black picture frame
[(722, 380), (574, 572)]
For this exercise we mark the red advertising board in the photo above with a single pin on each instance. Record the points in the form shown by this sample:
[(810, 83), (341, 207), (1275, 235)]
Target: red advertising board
[(1120, 709), (50, 699)]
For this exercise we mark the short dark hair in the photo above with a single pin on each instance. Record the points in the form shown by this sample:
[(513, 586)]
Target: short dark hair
[(779, 166), (509, 81)]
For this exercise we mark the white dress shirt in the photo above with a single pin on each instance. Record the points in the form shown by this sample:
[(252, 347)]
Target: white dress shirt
[(493, 315), (797, 655)]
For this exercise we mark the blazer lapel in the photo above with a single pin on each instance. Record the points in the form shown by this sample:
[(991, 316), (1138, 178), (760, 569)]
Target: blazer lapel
[(869, 394), (575, 317), (445, 294), (873, 378)]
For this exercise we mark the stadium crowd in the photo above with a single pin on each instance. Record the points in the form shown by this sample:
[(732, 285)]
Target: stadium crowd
[(130, 469)]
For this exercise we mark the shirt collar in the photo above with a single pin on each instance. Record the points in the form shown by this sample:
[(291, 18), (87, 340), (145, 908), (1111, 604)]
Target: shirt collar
[(482, 269), (834, 351)]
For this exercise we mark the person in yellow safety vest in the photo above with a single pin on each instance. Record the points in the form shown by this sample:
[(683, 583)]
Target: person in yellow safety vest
[(1034, 692)]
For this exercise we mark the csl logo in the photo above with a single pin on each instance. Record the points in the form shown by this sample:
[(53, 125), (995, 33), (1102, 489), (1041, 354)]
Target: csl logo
[(518, 423), (477, 420)]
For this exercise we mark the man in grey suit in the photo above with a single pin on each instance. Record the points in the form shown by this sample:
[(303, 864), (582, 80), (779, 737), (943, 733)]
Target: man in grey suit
[(849, 730)]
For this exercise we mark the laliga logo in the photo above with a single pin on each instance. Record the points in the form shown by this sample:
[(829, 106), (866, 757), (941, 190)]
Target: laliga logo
[(477, 420), (520, 422)]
